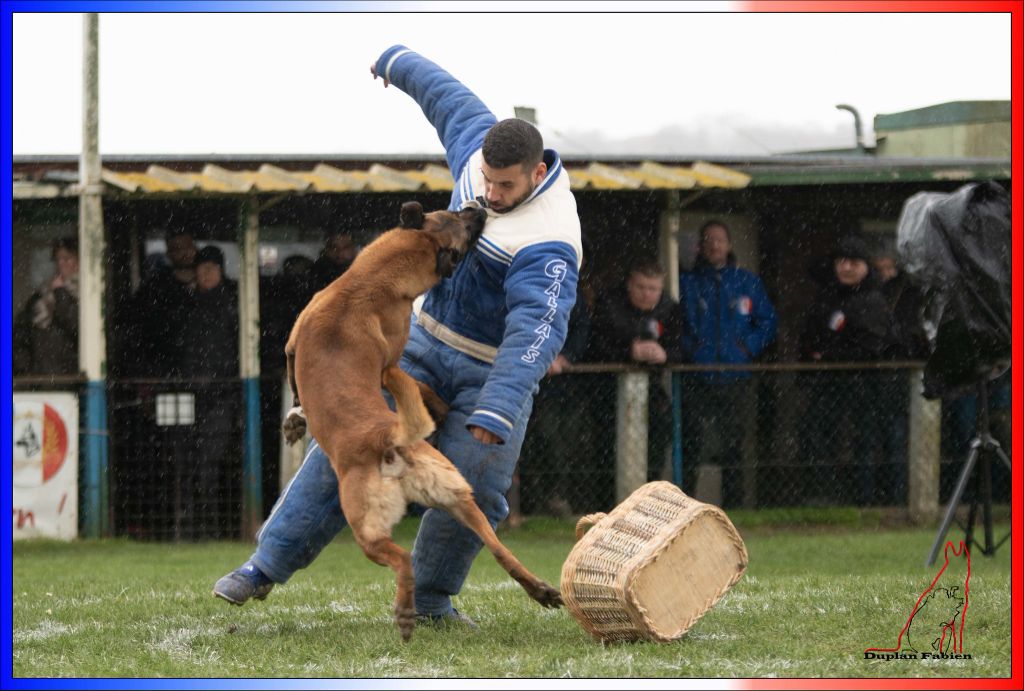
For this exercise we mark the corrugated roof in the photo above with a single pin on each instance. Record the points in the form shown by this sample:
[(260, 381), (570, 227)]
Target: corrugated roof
[(214, 179)]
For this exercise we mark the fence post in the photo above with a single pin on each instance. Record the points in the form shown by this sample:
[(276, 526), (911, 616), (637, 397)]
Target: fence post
[(249, 366), (631, 433), (92, 344), (923, 452)]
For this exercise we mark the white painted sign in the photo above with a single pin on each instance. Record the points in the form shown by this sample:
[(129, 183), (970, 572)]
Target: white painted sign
[(45, 465)]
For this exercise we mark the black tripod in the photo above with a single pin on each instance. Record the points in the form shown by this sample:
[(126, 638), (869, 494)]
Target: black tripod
[(983, 447)]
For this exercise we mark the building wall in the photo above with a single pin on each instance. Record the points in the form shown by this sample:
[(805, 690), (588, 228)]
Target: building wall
[(987, 139)]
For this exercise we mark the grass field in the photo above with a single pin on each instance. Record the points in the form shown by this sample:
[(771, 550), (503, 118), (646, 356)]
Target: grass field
[(811, 601)]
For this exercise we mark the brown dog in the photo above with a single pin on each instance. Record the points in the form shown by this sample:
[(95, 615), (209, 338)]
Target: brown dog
[(345, 344)]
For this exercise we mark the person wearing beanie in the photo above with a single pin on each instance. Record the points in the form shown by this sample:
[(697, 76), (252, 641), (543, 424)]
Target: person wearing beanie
[(848, 322), (209, 357)]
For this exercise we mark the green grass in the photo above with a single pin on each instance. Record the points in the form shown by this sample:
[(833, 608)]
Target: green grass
[(808, 606)]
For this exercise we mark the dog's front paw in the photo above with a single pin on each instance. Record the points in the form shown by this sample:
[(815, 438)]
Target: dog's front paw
[(547, 595), (294, 426)]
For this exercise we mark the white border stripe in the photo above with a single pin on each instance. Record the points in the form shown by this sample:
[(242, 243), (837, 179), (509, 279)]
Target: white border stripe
[(488, 253), (495, 416), (387, 70), (495, 248)]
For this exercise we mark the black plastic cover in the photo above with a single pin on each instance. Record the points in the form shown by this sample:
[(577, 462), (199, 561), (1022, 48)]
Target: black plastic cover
[(957, 248)]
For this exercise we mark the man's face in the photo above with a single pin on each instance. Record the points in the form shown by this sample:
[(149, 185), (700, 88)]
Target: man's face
[(850, 271), (208, 275), (507, 188), (181, 251), (715, 246), (885, 267), (341, 250), (644, 291), (67, 263)]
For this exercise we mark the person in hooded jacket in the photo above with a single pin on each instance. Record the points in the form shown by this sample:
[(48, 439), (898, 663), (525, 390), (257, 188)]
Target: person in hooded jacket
[(848, 322), (727, 319)]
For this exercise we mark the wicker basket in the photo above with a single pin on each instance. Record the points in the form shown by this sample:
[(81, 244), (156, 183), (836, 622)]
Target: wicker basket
[(652, 567)]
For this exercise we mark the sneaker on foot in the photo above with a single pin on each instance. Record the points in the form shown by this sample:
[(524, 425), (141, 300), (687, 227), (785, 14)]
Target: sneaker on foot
[(453, 618), (243, 583)]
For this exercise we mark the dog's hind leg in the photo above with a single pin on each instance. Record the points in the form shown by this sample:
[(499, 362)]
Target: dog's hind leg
[(414, 420), (373, 504)]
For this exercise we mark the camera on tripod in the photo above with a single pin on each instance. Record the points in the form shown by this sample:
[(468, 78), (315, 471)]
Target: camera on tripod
[(957, 248)]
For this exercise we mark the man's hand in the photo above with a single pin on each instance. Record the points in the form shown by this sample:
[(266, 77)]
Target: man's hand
[(561, 364), (484, 436), (373, 71), (648, 352)]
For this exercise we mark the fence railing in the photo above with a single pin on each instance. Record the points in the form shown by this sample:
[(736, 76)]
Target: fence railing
[(851, 434)]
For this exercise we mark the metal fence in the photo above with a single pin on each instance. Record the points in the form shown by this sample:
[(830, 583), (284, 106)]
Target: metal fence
[(176, 459), (773, 436)]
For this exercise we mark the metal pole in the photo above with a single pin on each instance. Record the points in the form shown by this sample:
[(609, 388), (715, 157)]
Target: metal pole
[(249, 366), (669, 243), (92, 344)]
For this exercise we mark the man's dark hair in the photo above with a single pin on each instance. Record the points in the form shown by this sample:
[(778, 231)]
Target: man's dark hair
[(513, 141), (172, 233), (69, 243), (714, 223), (647, 266)]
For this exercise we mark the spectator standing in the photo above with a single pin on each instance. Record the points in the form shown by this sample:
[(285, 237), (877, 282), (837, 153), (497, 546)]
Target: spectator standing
[(909, 342), (641, 325), (848, 322), (46, 330), (727, 319), (160, 312), (209, 357), (337, 254)]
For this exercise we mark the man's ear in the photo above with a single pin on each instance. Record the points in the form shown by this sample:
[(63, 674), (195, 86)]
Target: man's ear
[(411, 216)]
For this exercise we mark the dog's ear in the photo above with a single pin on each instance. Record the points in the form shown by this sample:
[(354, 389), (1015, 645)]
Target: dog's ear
[(446, 261), (412, 216)]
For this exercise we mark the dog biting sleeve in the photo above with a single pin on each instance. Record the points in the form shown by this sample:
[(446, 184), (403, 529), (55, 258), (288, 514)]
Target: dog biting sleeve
[(540, 291), (460, 118)]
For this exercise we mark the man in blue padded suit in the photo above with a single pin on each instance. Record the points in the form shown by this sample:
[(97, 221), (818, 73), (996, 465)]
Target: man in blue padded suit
[(482, 340)]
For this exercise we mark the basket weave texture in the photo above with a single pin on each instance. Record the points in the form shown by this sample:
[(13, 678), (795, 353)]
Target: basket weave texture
[(652, 567)]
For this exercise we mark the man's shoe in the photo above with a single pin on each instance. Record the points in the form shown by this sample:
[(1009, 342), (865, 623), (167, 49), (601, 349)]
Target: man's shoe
[(243, 583), (441, 621)]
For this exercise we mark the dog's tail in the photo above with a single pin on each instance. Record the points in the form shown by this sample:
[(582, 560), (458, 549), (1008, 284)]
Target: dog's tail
[(414, 421)]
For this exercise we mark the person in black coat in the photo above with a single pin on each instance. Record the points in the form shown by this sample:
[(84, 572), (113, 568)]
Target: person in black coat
[(46, 329), (641, 325), (209, 357), (849, 321)]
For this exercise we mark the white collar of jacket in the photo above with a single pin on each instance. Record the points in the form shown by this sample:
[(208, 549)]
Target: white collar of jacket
[(547, 215)]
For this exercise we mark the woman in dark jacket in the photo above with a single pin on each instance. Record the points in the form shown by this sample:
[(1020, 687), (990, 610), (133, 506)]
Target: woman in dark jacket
[(848, 322), (46, 330)]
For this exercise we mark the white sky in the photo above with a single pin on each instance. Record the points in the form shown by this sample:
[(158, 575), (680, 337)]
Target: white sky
[(300, 83)]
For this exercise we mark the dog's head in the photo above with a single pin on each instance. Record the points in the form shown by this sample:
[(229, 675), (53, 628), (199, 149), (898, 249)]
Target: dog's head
[(454, 233)]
